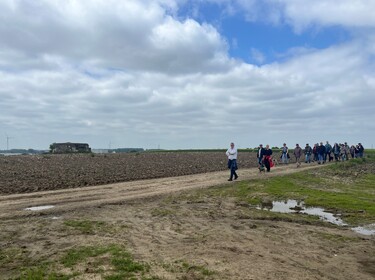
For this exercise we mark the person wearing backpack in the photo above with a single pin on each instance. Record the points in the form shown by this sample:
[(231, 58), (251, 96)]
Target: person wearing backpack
[(328, 151)]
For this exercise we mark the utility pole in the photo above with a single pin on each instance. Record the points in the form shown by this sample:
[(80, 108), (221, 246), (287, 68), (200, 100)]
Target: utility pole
[(8, 142)]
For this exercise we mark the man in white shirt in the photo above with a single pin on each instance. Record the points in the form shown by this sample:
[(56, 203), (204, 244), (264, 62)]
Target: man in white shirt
[(232, 161)]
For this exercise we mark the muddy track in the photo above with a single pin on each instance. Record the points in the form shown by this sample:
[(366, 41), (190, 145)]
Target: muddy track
[(67, 200)]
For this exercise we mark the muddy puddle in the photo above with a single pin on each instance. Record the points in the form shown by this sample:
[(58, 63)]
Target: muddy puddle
[(295, 206), (39, 208)]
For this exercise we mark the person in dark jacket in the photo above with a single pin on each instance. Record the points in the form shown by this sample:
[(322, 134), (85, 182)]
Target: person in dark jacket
[(260, 154), (360, 150), (267, 158), (336, 151), (307, 151), (315, 152), (321, 152), (328, 152)]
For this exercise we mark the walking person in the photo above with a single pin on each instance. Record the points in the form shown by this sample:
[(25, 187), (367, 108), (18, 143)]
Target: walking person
[(328, 151), (267, 158), (284, 154), (315, 152), (321, 152), (360, 150), (346, 150), (298, 153), (343, 153), (307, 151), (232, 161), (353, 151), (336, 151), (260, 154)]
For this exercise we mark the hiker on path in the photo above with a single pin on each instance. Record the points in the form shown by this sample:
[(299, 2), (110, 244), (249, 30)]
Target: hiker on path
[(284, 154), (328, 151), (347, 150), (315, 152), (298, 153), (232, 161), (360, 150), (307, 151), (267, 158), (336, 151), (260, 154), (353, 151), (321, 152)]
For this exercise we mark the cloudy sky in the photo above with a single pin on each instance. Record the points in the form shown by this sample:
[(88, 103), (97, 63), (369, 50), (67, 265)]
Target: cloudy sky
[(180, 74)]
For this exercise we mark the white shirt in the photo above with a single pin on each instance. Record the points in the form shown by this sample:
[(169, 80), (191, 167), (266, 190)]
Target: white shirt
[(232, 153)]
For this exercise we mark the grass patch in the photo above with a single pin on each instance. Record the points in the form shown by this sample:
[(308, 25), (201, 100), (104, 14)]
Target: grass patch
[(95, 259), (162, 212), (42, 273), (336, 238), (86, 226), (100, 262), (346, 187), (189, 271)]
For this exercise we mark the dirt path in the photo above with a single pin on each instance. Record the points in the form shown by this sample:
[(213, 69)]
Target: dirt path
[(12, 206)]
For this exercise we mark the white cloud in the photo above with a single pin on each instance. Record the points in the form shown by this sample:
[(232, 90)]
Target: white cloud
[(347, 13), (131, 73), (118, 34), (304, 14)]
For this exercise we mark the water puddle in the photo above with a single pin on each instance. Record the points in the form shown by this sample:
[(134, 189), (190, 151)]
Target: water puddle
[(39, 208), (295, 206), (365, 230)]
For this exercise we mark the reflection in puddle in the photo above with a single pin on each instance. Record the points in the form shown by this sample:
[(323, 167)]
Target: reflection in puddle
[(38, 208), (365, 230), (294, 206)]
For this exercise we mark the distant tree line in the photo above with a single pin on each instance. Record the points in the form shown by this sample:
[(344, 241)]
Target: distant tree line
[(23, 151), (126, 150)]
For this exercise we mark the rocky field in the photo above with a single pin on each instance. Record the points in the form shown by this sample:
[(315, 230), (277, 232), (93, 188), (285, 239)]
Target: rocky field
[(31, 173)]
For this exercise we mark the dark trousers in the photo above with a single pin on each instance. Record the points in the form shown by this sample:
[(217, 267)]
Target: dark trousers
[(267, 164), (233, 173), (232, 165)]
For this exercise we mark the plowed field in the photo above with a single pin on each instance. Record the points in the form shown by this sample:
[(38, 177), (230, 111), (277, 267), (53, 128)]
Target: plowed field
[(33, 173)]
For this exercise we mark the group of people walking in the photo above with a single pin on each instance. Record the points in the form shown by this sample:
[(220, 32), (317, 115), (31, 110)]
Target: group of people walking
[(318, 153)]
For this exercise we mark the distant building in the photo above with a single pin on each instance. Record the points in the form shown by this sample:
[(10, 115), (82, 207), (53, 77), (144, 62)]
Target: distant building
[(100, 151), (61, 148)]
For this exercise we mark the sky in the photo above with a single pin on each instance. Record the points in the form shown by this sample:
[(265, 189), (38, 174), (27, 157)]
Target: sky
[(178, 74)]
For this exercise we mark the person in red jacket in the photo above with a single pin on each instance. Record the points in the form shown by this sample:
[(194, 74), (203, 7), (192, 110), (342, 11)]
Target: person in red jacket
[(267, 158)]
